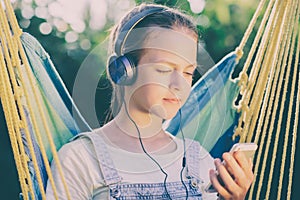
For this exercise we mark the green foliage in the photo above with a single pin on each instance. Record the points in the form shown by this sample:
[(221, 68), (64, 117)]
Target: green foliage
[(221, 24), (169, 3), (228, 22), (67, 56)]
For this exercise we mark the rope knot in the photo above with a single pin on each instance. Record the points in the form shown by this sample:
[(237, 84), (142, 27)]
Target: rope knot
[(18, 93), (239, 53), (243, 79), (242, 83), (18, 32), (242, 106), (238, 132)]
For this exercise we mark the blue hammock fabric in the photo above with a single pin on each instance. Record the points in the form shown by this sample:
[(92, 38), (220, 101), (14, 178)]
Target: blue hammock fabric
[(57, 104), (208, 116)]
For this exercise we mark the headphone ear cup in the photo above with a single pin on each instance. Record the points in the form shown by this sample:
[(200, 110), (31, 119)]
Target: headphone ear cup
[(122, 70)]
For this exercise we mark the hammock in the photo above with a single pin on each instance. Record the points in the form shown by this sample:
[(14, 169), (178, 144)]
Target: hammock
[(39, 111)]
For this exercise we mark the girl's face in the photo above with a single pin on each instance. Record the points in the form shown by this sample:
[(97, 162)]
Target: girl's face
[(164, 76)]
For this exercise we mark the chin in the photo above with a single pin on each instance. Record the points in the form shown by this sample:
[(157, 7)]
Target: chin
[(170, 115), (163, 112)]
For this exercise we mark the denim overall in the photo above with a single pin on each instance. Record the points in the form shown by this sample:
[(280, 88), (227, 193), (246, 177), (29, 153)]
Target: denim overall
[(132, 191)]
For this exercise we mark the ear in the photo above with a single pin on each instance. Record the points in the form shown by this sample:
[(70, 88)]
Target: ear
[(121, 70)]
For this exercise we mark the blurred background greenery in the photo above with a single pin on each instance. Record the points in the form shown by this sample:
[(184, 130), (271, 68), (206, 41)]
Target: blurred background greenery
[(69, 30)]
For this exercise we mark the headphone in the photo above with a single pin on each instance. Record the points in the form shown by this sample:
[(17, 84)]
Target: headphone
[(121, 68)]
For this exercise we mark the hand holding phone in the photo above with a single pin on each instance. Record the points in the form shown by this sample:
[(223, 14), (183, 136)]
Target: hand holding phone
[(249, 151)]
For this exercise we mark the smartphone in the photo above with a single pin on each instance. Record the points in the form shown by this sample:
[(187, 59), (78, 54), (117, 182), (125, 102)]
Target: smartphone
[(249, 151)]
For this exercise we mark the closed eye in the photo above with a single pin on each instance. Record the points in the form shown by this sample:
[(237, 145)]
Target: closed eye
[(163, 71), (189, 73)]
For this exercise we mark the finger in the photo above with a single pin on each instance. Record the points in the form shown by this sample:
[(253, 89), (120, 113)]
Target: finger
[(241, 176), (213, 175), (233, 166), (230, 184), (226, 159), (245, 164)]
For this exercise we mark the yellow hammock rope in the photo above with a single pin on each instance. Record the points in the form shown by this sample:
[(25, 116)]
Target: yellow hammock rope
[(273, 59), (270, 69), (11, 95)]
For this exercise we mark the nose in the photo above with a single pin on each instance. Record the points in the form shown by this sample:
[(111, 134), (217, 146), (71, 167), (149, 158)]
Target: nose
[(177, 81)]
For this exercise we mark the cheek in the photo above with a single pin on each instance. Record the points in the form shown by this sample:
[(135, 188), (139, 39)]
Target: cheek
[(148, 93), (148, 75), (154, 92), (154, 82)]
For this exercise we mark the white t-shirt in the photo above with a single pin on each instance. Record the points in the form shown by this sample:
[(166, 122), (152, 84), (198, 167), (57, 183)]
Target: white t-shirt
[(85, 181)]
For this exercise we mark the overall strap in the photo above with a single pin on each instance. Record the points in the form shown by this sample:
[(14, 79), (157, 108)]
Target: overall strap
[(110, 173), (193, 158)]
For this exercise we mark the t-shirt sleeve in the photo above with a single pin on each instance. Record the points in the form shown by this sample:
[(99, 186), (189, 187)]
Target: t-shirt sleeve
[(77, 167)]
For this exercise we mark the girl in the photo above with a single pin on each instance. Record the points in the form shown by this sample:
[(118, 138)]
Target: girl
[(153, 58)]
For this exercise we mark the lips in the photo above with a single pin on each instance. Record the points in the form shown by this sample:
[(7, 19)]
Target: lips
[(172, 100)]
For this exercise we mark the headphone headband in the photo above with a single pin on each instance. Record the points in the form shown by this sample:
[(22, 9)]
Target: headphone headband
[(124, 32), (121, 69)]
